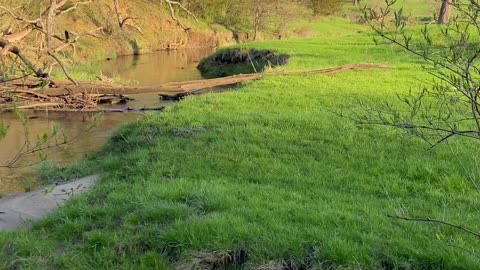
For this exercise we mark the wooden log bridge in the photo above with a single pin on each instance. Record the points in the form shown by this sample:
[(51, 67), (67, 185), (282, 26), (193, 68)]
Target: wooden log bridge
[(175, 88)]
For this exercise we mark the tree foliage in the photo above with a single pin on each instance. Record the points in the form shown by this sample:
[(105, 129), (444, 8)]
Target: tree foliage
[(251, 16), (447, 108), (450, 106), (325, 7)]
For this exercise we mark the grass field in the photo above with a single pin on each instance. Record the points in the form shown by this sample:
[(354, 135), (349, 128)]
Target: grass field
[(266, 176), (417, 9)]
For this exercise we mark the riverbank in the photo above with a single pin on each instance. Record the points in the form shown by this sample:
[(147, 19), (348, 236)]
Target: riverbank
[(145, 70), (267, 177), (97, 33)]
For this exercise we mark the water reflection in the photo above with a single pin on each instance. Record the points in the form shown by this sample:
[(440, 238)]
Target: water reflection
[(158, 68), (72, 125)]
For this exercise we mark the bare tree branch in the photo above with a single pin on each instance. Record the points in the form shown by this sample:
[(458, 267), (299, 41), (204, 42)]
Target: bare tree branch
[(45, 25), (15, 50), (70, 9), (429, 220), (171, 5), (123, 21)]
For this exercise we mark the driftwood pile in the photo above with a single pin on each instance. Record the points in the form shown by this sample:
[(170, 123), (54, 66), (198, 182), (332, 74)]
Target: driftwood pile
[(28, 99)]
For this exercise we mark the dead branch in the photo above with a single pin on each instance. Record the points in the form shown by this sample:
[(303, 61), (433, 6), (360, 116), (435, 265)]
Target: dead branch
[(123, 21), (61, 12), (22, 19), (13, 37), (26, 92), (15, 79), (44, 105), (17, 99), (171, 5), (191, 86), (429, 220), (135, 27), (15, 50), (45, 25)]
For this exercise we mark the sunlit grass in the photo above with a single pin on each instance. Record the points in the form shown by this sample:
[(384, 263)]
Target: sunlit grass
[(267, 168)]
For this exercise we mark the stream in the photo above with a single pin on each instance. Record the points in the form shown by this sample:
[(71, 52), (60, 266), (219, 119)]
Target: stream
[(141, 70)]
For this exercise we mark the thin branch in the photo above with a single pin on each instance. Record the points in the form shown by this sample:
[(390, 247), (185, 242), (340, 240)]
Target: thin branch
[(170, 2), (172, 13), (135, 27), (72, 8), (62, 66), (429, 220), (16, 78)]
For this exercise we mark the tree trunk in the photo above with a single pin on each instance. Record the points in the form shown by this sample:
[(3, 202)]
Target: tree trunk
[(444, 15), (257, 22), (117, 11), (50, 24), (355, 2)]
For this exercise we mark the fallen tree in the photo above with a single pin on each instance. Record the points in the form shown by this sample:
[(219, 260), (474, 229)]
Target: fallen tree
[(65, 96), (15, 99), (62, 88)]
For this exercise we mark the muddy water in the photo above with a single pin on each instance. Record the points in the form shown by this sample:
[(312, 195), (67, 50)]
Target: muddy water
[(72, 125), (158, 68), (143, 70)]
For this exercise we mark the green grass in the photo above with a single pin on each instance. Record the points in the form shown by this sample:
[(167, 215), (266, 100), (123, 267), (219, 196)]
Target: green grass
[(419, 10), (268, 170)]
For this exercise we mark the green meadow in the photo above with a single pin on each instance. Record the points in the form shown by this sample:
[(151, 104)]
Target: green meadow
[(268, 176)]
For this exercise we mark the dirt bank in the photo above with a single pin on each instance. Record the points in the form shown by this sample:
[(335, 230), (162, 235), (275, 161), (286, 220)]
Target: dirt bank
[(149, 28)]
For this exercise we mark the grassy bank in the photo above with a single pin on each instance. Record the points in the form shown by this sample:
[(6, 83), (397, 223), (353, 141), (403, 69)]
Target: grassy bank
[(266, 176)]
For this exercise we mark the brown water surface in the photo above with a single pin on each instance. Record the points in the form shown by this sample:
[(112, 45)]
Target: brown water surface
[(157, 68), (73, 125), (143, 70)]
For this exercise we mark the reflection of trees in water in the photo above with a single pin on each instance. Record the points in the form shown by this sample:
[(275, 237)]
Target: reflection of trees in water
[(157, 68), (135, 59)]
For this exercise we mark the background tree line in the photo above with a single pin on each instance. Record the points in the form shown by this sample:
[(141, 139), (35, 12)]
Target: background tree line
[(252, 17)]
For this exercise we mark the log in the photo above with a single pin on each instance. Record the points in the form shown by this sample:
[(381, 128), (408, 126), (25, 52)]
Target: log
[(174, 97), (45, 105), (25, 92), (173, 88), (30, 106), (85, 96), (104, 110)]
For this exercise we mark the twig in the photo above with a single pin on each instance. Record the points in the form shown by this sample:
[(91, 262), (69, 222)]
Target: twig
[(251, 62), (429, 220)]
